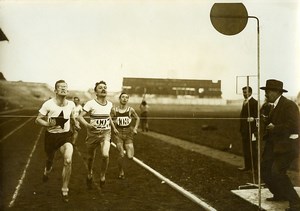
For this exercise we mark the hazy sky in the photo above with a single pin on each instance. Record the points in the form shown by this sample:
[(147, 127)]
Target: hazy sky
[(87, 41)]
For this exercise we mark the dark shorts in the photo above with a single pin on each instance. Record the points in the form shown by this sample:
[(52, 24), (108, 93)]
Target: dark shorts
[(125, 135), (53, 141)]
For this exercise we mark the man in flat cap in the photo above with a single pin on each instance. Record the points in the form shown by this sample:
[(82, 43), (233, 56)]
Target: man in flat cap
[(281, 139)]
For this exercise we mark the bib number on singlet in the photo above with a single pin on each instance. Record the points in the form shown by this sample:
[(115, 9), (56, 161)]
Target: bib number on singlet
[(123, 121), (101, 123)]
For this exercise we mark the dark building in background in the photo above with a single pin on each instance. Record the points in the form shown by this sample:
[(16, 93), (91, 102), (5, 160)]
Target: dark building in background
[(173, 87)]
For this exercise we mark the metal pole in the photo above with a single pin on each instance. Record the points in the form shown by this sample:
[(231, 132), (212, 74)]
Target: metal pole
[(258, 112), (217, 12), (250, 135)]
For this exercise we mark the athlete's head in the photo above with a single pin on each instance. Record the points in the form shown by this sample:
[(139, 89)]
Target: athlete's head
[(61, 88), (76, 100), (144, 102), (124, 97), (100, 89)]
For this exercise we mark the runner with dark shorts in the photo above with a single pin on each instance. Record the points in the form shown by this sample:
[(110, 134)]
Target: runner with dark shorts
[(56, 115), (123, 116)]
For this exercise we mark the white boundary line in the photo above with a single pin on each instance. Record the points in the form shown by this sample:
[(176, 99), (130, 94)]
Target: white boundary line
[(9, 134), (6, 122), (186, 193), (14, 197)]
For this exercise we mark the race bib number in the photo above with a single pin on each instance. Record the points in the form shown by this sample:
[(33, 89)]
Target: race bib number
[(123, 121), (101, 123)]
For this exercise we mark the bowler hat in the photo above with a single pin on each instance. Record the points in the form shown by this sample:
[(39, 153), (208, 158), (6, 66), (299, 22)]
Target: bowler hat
[(273, 84)]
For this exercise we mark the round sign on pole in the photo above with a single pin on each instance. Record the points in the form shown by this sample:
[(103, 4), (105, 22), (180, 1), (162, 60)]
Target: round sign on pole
[(229, 18)]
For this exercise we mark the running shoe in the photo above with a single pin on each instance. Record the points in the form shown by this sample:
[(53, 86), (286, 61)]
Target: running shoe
[(89, 182), (65, 197), (45, 174), (121, 176), (102, 183), (45, 178)]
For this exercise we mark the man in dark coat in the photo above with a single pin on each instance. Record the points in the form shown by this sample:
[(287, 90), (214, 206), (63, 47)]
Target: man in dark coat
[(248, 129), (281, 139)]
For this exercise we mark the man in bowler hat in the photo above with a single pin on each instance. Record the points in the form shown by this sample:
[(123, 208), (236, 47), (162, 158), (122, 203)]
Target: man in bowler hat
[(281, 139)]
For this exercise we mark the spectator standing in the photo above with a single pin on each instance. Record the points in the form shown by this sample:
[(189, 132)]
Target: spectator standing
[(144, 108), (281, 144), (248, 129)]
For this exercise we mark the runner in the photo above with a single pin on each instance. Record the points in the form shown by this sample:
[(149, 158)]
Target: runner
[(77, 111), (56, 114), (98, 130), (122, 116)]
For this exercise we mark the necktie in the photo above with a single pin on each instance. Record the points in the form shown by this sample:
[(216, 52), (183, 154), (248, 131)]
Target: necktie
[(271, 107)]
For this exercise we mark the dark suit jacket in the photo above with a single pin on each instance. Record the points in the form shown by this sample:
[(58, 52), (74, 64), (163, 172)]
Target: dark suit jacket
[(285, 117), (244, 124)]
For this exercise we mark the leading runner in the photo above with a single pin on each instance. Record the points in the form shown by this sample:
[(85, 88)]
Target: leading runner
[(56, 114)]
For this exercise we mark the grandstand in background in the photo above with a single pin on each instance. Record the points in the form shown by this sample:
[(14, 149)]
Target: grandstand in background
[(172, 87), (174, 91)]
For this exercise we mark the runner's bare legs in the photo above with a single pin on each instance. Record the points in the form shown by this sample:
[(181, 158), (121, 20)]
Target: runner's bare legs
[(105, 146), (67, 152)]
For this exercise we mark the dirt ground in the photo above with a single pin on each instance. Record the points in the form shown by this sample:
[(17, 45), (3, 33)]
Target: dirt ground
[(22, 155), (207, 178)]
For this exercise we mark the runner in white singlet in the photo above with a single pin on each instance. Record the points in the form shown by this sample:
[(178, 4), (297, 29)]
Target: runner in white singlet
[(98, 130), (56, 115), (77, 111)]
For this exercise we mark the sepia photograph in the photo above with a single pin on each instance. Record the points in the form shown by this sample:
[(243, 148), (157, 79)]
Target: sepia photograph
[(149, 105)]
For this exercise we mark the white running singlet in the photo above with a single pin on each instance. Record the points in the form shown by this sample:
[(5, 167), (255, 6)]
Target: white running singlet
[(60, 114), (99, 114)]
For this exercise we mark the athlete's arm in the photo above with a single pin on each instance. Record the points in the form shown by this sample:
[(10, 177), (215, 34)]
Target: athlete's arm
[(81, 119), (111, 118), (41, 120), (113, 114)]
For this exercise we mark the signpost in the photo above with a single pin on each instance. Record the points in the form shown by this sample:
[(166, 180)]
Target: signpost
[(230, 19)]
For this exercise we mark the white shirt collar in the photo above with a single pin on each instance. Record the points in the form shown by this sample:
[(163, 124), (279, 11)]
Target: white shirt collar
[(276, 101), (249, 98), (246, 100)]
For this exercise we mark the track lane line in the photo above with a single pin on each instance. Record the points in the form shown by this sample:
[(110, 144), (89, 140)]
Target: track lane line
[(178, 188), (13, 131), (15, 195), (8, 121)]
